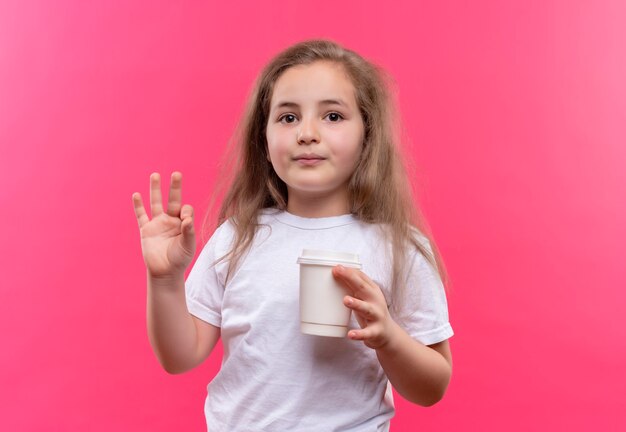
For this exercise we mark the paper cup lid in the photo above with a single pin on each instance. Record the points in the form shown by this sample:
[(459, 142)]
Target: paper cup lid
[(329, 258)]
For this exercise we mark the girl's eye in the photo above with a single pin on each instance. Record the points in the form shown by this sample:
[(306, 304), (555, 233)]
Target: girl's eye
[(334, 117), (287, 118), (290, 118)]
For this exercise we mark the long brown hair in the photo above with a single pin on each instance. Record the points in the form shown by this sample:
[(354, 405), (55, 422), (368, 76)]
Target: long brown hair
[(379, 189)]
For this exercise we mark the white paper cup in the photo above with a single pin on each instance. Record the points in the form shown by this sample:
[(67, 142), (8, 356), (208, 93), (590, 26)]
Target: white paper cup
[(322, 311)]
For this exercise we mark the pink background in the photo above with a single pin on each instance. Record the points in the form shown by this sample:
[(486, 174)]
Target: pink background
[(517, 115)]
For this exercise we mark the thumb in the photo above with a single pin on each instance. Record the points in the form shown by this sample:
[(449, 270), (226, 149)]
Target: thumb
[(187, 228), (189, 234)]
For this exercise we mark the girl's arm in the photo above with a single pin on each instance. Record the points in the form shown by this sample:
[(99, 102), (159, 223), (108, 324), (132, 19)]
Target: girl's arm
[(418, 372), (179, 340)]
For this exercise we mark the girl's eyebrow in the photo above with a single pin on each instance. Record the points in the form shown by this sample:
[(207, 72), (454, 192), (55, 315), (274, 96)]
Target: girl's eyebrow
[(288, 104)]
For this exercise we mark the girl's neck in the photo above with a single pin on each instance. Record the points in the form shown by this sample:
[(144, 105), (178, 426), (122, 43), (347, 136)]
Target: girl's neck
[(318, 207)]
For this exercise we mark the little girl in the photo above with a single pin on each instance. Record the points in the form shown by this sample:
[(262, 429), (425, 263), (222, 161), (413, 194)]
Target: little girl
[(317, 170)]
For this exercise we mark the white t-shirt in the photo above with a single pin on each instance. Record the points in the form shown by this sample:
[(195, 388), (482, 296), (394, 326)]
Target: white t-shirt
[(275, 378)]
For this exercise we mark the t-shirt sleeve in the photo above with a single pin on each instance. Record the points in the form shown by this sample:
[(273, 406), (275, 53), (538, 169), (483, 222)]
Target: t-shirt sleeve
[(424, 311), (204, 287)]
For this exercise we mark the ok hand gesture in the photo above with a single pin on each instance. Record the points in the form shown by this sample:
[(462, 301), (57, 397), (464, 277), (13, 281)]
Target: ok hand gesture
[(167, 240)]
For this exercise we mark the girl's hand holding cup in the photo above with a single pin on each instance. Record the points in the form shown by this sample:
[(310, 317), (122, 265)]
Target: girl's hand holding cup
[(168, 240), (369, 306)]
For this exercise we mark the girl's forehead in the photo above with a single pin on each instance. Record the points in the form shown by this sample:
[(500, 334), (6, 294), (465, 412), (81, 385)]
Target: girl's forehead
[(314, 82)]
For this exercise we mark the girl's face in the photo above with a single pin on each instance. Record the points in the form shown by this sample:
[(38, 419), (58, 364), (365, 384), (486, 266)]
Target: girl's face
[(314, 137)]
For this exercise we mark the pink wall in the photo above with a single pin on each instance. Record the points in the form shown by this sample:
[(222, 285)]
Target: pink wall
[(517, 114)]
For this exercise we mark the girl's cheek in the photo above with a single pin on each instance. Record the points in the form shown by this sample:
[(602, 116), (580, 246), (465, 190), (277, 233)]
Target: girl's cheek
[(283, 139)]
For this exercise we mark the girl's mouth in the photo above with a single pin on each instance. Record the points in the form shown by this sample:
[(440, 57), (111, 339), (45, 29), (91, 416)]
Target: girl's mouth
[(309, 159)]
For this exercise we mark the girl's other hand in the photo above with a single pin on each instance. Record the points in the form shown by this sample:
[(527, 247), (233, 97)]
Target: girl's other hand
[(369, 306), (167, 240)]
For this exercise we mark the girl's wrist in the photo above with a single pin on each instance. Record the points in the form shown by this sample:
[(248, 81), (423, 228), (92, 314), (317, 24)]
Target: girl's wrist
[(166, 280)]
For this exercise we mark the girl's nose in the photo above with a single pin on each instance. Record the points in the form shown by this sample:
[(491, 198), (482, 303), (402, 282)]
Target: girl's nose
[(308, 134)]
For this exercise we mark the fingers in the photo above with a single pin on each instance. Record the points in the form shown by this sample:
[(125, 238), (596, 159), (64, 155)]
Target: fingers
[(369, 307), (175, 195), (357, 281), (174, 200), (186, 215), (156, 201), (370, 327), (187, 229), (374, 323), (364, 309), (186, 212), (361, 335), (140, 210)]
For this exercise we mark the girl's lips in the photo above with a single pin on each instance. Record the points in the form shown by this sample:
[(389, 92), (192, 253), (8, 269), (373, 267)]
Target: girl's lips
[(309, 161)]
